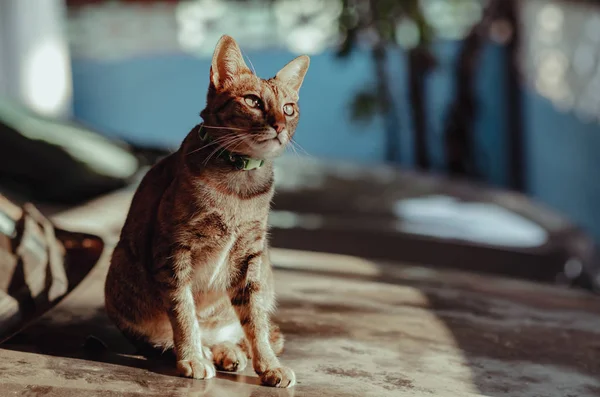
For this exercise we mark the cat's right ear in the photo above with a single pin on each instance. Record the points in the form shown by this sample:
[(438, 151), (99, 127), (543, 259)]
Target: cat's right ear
[(227, 62), (293, 73)]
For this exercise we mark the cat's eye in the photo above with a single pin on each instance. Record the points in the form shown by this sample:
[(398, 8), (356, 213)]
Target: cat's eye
[(253, 101), (288, 109)]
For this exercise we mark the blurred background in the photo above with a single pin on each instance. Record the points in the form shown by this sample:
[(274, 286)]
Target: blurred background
[(411, 109)]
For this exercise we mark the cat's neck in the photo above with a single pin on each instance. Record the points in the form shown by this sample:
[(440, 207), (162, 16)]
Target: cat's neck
[(201, 162)]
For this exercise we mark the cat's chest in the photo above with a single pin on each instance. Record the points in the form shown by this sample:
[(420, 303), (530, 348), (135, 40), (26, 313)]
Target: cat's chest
[(214, 273), (219, 246)]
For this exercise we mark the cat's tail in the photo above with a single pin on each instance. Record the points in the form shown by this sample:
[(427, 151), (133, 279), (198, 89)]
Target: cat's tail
[(277, 339)]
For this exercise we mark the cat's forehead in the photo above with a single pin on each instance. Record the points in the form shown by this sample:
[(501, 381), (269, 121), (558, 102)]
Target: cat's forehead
[(266, 88)]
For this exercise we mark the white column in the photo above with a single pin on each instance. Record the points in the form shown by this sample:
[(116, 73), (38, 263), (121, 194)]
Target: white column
[(35, 67)]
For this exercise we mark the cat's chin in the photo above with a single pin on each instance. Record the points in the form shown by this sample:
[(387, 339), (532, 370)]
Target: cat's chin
[(266, 149)]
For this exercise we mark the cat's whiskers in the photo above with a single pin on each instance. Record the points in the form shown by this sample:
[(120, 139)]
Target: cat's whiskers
[(237, 142), (221, 147), (249, 60), (224, 146), (216, 127), (236, 146), (214, 142), (207, 159), (297, 156), (296, 144)]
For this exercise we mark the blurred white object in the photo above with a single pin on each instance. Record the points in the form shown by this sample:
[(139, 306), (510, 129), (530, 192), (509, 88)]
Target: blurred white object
[(484, 223), (35, 66), (195, 26)]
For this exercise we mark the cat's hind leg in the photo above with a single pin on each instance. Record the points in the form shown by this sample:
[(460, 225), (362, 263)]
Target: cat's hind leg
[(230, 357)]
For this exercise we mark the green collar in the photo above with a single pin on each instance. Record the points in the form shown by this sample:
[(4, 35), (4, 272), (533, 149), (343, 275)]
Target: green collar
[(242, 163)]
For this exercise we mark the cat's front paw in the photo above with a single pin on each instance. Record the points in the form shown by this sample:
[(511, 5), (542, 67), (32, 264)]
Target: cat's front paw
[(198, 368), (278, 377)]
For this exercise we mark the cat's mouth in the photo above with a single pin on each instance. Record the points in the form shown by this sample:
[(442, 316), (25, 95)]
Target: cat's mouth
[(271, 144), (267, 145), (267, 138)]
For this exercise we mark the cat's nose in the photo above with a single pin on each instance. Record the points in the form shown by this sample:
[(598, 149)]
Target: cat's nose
[(278, 127)]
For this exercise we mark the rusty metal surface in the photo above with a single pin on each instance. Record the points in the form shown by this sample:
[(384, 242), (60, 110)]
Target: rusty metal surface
[(354, 327)]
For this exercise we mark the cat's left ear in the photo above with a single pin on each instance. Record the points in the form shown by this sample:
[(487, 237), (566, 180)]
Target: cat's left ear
[(227, 62), (293, 73)]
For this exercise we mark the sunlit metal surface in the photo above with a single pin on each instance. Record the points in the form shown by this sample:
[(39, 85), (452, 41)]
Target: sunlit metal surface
[(353, 326)]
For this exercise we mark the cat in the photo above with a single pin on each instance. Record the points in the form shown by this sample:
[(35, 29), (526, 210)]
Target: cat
[(191, 272)]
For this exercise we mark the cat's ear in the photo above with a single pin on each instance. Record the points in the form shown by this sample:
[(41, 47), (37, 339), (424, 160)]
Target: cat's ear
[(227, 62), (293, 73)]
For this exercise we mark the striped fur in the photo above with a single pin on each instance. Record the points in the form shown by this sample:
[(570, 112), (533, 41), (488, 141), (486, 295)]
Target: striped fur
[(191, 271)]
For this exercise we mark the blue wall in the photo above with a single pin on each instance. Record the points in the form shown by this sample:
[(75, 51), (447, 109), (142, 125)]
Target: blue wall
[(563, 156), (156, 100)]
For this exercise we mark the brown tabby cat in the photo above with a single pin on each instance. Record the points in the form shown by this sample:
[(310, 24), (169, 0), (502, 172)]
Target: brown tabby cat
[(191, 270)]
